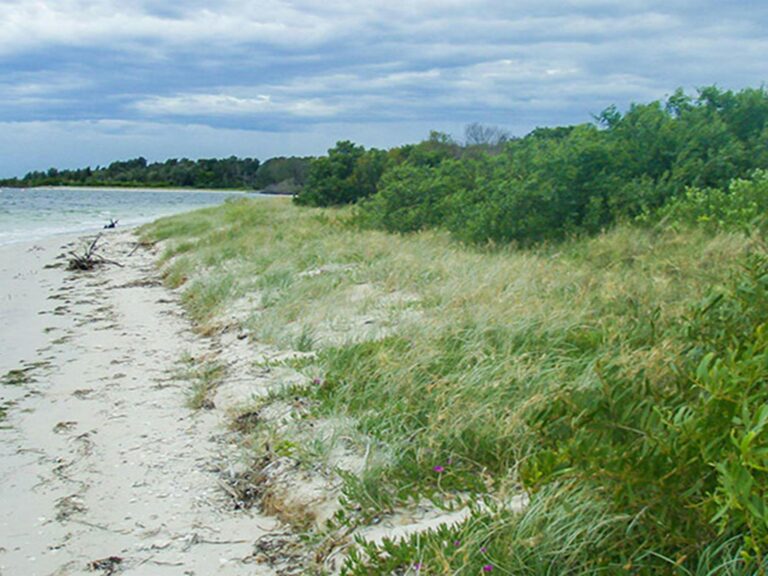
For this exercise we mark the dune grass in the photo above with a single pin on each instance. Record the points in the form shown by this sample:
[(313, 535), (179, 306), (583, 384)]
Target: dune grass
[(485, 372), (203, 376)]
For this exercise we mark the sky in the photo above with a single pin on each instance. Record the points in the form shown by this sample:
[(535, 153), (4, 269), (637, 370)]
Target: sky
[(87, 82)]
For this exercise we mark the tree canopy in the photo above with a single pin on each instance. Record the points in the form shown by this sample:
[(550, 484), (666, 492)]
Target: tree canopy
[(283, 174)]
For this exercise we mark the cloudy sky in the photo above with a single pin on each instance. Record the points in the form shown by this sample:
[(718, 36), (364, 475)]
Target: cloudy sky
[(85, 82)]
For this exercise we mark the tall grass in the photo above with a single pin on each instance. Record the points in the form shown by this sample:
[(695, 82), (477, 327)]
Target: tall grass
[(573, 371)]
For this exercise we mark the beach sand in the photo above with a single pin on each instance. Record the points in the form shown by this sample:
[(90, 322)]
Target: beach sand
[(103, 467)]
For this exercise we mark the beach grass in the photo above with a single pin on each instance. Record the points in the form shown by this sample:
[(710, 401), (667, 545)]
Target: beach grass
[(203, 376), (479, 373)]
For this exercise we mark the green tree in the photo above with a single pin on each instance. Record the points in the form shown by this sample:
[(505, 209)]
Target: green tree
[(346, 175)]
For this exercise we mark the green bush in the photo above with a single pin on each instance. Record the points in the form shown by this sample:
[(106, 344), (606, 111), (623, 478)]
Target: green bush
[(578, 180), (346, 175), (740, 207), (683, 450), (416, 197)]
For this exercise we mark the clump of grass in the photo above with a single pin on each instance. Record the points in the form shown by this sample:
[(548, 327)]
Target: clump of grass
[(564, 530), (548, 537), (21, 376), (203, 376), (206, 295), (4, 407), (178, 272)]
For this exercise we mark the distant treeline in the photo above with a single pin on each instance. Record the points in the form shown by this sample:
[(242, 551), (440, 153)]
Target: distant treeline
[(556, 182), (282, 175)]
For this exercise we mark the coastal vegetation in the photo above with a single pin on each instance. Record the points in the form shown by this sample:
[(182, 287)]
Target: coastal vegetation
[(579, 316), (554, 182), (282, 175)]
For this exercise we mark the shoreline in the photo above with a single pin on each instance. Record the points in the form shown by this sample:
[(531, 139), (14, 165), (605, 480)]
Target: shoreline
[(65, 236), (152, 189), (36, 214)]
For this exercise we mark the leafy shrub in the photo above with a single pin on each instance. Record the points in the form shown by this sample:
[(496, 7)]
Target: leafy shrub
[(684, 451), (741, 206), (413, 197), (346, 175), (555, 183)]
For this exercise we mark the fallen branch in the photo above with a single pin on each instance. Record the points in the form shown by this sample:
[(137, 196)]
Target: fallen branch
[(88, 260), (141, 244)]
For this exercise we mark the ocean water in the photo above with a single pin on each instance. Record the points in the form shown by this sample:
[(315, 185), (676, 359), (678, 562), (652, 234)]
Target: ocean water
[(33, 214)]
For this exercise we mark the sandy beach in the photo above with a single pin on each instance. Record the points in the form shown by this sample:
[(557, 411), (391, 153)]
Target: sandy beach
[(103, 467)]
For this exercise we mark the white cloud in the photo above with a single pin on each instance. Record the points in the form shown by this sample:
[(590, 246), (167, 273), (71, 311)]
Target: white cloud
[(41, 84), (31, 24), (293, 25), (228, 105)]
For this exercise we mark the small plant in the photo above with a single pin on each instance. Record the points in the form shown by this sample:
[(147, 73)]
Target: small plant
[(305, 340), (17, 377), (741, 206), (203, 376), (4, 411)]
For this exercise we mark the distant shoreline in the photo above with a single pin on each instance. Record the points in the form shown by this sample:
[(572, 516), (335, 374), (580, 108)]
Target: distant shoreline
[(152, 189), (147, 189)]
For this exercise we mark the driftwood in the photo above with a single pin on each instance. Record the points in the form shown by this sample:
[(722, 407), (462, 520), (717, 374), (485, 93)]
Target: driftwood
[(107, 565), (88, 260), (141, 244)]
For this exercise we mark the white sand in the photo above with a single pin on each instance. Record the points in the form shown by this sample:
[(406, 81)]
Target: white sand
[(99, 456)]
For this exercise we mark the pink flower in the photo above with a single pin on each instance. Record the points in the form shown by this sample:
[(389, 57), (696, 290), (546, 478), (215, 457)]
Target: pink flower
[(439, 469), (488, 568), (457, 543)]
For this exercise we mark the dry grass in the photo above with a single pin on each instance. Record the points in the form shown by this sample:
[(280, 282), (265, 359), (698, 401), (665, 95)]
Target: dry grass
[(443, 354)]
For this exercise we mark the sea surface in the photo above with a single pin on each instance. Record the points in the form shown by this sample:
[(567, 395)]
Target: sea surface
[(37, 213)]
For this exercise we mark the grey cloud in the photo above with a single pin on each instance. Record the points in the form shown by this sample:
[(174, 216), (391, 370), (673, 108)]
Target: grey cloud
[(202, 69)]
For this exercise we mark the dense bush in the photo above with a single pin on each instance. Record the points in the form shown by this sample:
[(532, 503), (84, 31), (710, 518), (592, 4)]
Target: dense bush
[(742, 205), (413, 197), (681, 449), (347, 174), (554, 182)]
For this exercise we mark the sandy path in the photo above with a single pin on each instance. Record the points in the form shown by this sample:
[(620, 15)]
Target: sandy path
[(99, 456)]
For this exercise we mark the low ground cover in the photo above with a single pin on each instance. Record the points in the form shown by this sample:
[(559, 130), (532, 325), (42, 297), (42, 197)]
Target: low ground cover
[(618, 381)]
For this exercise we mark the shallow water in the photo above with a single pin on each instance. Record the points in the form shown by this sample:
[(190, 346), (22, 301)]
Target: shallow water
[(33, 214)]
